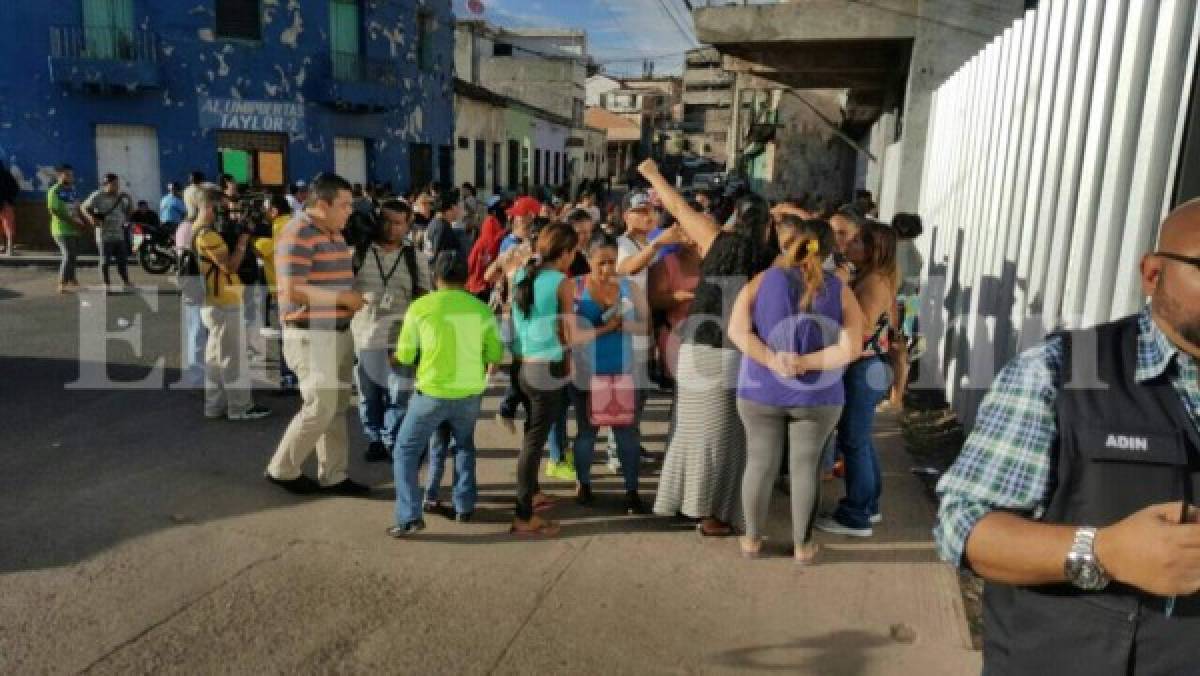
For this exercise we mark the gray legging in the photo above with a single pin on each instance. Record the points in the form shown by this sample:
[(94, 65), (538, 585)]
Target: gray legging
[(807, 428)]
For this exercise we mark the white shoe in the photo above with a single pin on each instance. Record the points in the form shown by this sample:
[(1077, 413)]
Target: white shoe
[(876, 519), (253, 413), (831, 525)]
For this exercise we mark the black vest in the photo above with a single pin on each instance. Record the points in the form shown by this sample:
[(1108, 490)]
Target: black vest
[(1120, 448)]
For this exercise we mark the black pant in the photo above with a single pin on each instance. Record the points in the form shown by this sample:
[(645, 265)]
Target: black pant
[(542, 386), (513, 398), (118, 252)]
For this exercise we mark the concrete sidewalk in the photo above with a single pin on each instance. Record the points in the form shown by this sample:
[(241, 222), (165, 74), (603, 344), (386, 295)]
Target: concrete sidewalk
[(138, 537)]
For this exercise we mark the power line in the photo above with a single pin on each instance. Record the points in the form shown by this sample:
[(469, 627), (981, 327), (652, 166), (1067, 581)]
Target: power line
[(617, 22), (665, 7), (685, 16)]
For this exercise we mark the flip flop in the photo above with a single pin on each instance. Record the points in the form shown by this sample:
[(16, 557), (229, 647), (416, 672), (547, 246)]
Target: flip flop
[(545, 505), (548, 529), (810, 560)]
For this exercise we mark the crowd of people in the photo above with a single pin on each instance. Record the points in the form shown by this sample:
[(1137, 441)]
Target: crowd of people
[(774, 326)]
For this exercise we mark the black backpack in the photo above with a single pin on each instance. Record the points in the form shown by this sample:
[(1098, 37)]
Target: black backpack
[(187, 275)]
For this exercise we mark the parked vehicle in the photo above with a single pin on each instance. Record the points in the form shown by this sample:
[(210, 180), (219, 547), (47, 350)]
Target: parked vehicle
[(154, 246)]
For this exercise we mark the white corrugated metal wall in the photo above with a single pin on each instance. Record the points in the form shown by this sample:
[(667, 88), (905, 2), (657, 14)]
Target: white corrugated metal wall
[(1050, 163)]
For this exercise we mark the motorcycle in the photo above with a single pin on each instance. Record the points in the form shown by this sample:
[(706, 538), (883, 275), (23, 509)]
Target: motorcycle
[(155, 247)]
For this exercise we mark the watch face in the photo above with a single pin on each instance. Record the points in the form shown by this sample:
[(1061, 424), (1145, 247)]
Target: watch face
[(1088, 577)]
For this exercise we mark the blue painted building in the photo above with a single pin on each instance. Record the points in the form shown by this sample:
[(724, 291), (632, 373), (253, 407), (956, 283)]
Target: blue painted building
[(271, 91)]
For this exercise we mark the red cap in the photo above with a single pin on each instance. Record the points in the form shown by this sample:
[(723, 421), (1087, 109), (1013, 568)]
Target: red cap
[(525, 206)]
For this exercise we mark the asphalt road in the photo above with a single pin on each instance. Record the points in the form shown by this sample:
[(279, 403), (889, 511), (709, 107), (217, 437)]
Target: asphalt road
[(135, 536)]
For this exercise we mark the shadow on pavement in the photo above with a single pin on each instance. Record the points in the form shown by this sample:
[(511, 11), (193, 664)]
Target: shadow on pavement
[(839, 652)]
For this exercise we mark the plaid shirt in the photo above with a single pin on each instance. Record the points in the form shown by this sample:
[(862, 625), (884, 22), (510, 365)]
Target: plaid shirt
[(1005, 463)]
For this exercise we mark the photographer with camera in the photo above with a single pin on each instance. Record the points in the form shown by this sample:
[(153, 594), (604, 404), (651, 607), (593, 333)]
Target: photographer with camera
[(227, 385)]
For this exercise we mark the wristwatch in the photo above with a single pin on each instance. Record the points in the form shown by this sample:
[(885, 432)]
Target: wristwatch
[(1082, 567)]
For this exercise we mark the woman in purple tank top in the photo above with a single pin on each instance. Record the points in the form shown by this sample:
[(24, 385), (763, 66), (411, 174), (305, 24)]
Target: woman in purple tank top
[(796, 326)]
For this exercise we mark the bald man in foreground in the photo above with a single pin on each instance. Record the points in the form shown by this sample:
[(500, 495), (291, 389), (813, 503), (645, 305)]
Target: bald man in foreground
[(1073, 497)]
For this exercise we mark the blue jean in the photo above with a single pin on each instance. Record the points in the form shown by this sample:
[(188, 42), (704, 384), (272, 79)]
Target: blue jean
[(384, 389), (867, 382), (425, 414), (195, 337), (628, 442), (68, 245)]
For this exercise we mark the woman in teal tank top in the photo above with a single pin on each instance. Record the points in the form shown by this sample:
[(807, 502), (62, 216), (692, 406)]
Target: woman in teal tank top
[(543, 321)]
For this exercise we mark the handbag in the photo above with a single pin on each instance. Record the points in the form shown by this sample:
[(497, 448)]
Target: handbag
[(612, 401)]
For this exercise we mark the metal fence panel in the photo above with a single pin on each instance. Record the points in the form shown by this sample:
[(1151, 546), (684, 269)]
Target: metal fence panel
[(1047, 166)]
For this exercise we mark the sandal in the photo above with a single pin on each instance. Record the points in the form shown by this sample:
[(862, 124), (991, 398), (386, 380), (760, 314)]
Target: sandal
[(543, 502), (750, 551), (535, 527), (806, 554), (713, 528)]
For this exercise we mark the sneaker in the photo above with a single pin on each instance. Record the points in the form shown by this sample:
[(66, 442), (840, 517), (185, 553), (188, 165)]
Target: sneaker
[(876, 519), (377, 451), (463, 517), (432, 507), (301, 485), (410, 528), (645, 456), (253, 413), (565, 470), (832, 525), (634, 505), (509, 424), (348, 488), (551, 469)]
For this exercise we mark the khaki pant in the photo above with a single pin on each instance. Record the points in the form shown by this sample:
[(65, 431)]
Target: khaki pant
[(227, 383), (323, 362)]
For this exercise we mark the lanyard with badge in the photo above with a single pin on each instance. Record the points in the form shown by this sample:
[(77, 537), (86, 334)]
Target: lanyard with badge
[(385, 300)]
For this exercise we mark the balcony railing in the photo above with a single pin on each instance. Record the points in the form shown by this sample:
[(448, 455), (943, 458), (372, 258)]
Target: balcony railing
[(353, 67), (103, 43)]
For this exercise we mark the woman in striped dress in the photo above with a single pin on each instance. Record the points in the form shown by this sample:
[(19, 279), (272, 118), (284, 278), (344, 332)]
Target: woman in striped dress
[(706, 454)]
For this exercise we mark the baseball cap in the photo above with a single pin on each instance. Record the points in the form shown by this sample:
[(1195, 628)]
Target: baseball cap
[(525, 206), (637, 200)]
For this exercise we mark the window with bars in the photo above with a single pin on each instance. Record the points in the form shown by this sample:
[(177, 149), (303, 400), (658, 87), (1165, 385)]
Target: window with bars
[(240, 19)]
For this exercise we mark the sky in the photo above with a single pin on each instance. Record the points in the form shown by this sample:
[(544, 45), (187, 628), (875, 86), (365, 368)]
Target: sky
[(620, 32)]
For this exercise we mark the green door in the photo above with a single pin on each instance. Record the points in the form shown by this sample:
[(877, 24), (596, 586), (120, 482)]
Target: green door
[(108, 28), (343, 39)]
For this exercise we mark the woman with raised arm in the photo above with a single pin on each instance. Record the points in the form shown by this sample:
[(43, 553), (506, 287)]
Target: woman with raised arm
[(702, 472)]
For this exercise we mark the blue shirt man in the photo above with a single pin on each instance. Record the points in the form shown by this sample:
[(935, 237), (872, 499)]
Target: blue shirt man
[(172, 209)]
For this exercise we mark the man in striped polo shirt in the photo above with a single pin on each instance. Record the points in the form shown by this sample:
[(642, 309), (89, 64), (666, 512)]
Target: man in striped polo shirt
[(315, 277)]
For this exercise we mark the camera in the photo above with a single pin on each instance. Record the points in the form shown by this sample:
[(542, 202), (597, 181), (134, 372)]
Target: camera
[(247, 214)]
